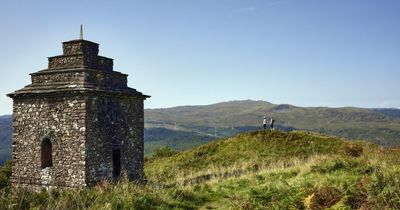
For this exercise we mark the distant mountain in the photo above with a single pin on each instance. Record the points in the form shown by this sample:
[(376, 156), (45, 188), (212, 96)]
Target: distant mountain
[(155, 138), (390, 112), (380, 126), (5, 137), (188, 126)]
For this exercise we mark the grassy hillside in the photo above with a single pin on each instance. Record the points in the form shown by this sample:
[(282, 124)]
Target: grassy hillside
[(257, 170), (380, 126), (155, 138)]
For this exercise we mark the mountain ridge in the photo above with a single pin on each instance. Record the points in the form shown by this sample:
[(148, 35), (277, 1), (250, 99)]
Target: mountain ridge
[(183, 127), (379, 125)]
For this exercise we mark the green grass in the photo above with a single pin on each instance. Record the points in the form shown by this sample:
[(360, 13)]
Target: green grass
[(257, 170), (241, 153)]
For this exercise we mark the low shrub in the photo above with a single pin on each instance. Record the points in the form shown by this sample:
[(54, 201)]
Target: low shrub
[(360, 167), (164, 151), (384, 189), (5, 173), (323, 198), (353, 149)]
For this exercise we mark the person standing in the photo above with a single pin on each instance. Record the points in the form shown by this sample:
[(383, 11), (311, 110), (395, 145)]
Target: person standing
[(265, 122), (271, 123)]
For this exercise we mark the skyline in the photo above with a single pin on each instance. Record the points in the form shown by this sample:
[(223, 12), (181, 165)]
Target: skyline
[(305, 53)]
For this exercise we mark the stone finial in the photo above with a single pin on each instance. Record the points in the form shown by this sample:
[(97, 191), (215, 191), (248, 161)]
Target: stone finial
[(81, 33)]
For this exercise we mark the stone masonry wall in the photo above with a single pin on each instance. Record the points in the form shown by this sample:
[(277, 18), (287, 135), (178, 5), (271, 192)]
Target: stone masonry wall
[(100, 79), (62, 121), (81, 60), (79, 46), (83, 114), (114, 122), (63, 77)]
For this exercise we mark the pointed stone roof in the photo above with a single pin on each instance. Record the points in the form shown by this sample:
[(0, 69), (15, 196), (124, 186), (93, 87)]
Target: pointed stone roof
[(78, 70)]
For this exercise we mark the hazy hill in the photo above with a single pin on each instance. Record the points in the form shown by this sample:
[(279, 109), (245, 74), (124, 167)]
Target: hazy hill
[(256, 170), (5, 137), (188, 126), (381, 126), (179, 140)]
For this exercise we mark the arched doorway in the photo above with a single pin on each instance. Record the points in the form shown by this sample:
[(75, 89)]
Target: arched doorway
[(116, 158), (46, 153)]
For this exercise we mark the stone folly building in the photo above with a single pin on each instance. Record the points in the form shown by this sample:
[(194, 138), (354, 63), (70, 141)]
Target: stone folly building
[(77, 123)]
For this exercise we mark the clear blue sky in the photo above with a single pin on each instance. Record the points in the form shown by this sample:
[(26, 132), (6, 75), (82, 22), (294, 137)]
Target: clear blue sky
[(187, 52)]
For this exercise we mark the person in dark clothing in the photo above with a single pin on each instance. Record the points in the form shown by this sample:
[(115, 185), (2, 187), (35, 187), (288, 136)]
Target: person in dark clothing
[(271, 123)]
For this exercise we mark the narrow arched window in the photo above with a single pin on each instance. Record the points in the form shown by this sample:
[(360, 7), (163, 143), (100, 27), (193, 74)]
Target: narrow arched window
[(116, 156), (46, 153)]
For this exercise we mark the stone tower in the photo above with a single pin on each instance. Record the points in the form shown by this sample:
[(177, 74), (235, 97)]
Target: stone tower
[(77, 123)]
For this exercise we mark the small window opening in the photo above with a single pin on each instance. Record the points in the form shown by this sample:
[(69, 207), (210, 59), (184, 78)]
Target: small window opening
[(116, 156), (46, 153)]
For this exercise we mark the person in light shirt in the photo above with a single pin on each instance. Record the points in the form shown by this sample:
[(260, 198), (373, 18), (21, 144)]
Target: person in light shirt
[(265, 122)]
